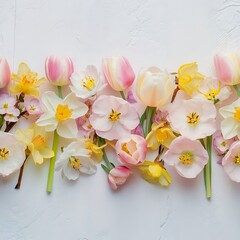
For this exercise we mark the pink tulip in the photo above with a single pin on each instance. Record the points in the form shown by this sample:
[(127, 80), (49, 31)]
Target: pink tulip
[(131, 150), (227, 68), (118, 73), (58, 70), (118, 176), (4, 73)]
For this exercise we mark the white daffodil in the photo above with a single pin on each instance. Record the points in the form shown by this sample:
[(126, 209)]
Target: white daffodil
[(60, 114), (12, 154), (86, 83), (74, 160), (230, 126)]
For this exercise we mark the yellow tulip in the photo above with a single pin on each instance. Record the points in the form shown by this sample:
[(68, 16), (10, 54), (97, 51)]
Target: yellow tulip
[(189, 78)]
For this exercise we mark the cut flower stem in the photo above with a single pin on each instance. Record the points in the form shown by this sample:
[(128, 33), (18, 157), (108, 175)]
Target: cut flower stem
[(208, 169), (55, 149)]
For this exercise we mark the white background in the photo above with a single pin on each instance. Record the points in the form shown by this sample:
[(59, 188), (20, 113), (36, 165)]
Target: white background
[(165, 33)]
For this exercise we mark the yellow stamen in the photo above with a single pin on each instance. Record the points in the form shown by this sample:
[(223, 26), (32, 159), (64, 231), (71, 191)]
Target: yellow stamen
[(75, 163), (237, 159), (186, 158), (237, 113), (88, 83), (125, 149), (63, 112), (29, 80), (4, 153), (38, 141), (5, 105), (193, 118), (223, 144), (114, 116)]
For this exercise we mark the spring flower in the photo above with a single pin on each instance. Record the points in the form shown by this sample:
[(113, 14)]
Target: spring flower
[(60, 114), (160, 135), (95, 151), (187, 156), (12, 115), (118, 72), (87, 83), (230, 126), (220, 144), (113, 117), (12, 154), (5, 73), (131, 149), (35, 138), (155, 87), (118, 176), (7, 103), (26, 81), (58, 70), (212, 90), (75, 159), (33, 107), (227, 67), (154, 172), (192, 118), (231, 162), (189, 78)]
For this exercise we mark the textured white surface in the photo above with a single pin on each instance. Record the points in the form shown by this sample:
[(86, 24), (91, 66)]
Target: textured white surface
[(164, 33)]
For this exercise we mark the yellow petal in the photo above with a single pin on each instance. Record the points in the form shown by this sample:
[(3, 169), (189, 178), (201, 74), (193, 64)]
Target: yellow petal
[(46, 152), (40, 82), (23, 69), (165, 178), (25, 136), (37, 157)]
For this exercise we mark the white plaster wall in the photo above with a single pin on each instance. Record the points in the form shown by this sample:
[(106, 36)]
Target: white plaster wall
[(166, 33)]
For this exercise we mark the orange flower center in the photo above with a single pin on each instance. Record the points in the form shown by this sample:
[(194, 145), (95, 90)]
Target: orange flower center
[(237, 113), (38, 141), (63, 112)]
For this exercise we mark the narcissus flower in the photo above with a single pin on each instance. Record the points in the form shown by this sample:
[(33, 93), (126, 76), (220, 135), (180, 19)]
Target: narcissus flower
[(58, 70), (12, 154), (118, 72), (231, 162), (60, 114), (118, 176), (192, 118), (131, 149), (155, 87), (74, 160), (154, 172), (5, 73), (113, 117), (160, 134), (230, 126), (227, 68), (87, 83), (187, 156), (95, 151), (35, 138), (26, 82), (189, 78)]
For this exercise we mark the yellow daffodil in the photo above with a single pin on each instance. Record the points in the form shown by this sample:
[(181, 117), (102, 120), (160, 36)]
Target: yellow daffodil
[(189, 78), (36, 139), (94, 149), (159, 135), (154, 172), (26, 81)]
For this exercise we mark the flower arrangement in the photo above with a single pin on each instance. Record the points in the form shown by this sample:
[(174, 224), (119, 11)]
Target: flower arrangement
[(170, 114)]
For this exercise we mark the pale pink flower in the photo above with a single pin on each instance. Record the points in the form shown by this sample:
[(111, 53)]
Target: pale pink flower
[(131, 149), (34, 107), (231, 162), (113, 117), (118, 176), (12, 115), (192, 118), (118, 72), (227, 68), (5, 73), (187, 156), (58, 70), (220, 144), (7, 102)]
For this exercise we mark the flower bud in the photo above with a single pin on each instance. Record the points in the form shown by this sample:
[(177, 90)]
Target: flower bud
[(4, 73)]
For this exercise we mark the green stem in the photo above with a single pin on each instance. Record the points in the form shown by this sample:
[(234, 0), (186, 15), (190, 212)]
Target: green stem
[(236, 89), (59, 88), (122, 95), (149, 115), (55, 149), (208, 169), (52, 162)]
